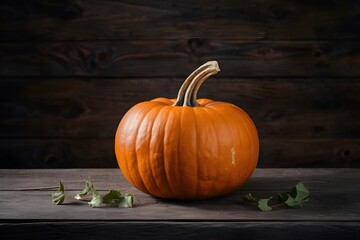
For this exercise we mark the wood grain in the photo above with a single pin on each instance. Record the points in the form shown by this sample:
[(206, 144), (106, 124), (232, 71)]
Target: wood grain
[(31, 215), (99, 153), (83, 108), (69, 70), (88, 20), (263, 179), (174, 58), (324, 205)]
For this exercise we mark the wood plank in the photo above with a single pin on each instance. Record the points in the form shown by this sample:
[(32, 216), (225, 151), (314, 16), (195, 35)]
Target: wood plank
[(87, 20), (288, 108), (182, 230), (326, 202), (99, 153), (324, 217), (57, 153), (263, 179), (165, 58)]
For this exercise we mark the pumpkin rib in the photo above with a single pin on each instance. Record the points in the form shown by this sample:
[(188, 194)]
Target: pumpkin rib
[(226, 182), (251, 124), (125, 160), (118, 148), (149, 164), (196, 149), (163, 161), (250, 136), (167, 167), (179, 178), (198, 154), (241, 131), (162, 100), (236, 145), (136, 157), (255, 148), (244, 126), (224, 185), (245, 132), (139, 180), (247, 118), (178, 159), (214, 133), (225, 173), (124, 157), (204, 101)]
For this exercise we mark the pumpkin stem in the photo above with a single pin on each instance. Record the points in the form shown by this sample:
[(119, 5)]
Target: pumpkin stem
[(187, 82), (205, 71)]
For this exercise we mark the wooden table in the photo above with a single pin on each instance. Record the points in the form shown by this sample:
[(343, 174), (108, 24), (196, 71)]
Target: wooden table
[(332, 213)]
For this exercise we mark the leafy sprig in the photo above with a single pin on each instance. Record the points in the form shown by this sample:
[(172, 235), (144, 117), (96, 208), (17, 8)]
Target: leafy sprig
[(293, 199), (113, 197), (59, 196)]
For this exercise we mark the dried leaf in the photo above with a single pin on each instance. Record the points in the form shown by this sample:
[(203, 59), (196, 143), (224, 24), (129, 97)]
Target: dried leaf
[(87, 189), (58, 197), (96, 199), (263, 204)]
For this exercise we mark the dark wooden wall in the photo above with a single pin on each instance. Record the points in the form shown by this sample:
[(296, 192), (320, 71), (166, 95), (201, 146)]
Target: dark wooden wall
[(69, 70)]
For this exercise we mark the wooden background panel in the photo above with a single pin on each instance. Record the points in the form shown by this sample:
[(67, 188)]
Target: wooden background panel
[(111, 19), (69, 70), (99, 153), (170, 58), (281, 108)]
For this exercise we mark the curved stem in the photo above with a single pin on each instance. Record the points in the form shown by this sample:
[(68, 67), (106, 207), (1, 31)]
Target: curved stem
[(212, 68), (184, 87)]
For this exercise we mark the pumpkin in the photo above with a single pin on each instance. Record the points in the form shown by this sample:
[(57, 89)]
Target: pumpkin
[(187, 148)]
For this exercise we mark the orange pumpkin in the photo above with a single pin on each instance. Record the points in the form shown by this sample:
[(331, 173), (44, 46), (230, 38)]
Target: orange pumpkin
[(186, 148)]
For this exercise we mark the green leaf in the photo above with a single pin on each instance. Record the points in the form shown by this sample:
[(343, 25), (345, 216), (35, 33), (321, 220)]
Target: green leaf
[(294, 198), (59, 196), (128, 201), (112, 196), (249, 198), (96, 199), (299, 194), (87, 188), (263, 204), (292, 202), (302, 192), (116, 198)]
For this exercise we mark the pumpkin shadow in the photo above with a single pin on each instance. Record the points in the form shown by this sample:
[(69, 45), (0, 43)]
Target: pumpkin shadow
[(229, 201), (259, 187)]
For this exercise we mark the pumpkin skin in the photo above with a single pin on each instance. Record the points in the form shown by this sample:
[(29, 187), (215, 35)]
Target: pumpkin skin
[(186, 152)]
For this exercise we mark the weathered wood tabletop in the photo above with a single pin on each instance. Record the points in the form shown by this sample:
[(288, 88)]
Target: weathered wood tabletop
[(333, 211)]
